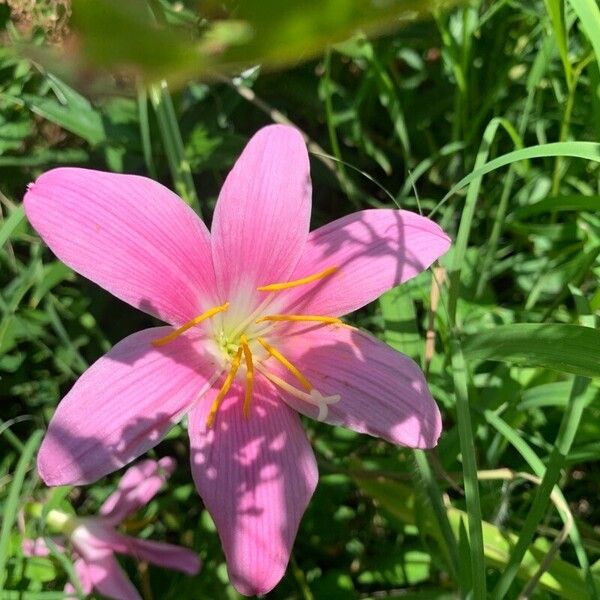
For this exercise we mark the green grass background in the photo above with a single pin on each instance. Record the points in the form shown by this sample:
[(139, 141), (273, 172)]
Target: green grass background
[(485, 116)]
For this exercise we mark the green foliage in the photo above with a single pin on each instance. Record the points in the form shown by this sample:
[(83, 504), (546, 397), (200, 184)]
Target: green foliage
[(486, 116)]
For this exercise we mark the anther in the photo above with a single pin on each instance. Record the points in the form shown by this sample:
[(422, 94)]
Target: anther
[(275, 287), (195, 321), (310, 318), (249, 375)]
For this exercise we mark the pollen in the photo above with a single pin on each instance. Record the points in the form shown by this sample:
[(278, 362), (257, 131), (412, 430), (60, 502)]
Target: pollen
[(195, 321), (275, 287)]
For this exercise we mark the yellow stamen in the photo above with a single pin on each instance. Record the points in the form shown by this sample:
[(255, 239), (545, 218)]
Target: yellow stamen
[(274, 287), (286, 363), (210, 421), (195, 321), (315, 318), (249, 375)]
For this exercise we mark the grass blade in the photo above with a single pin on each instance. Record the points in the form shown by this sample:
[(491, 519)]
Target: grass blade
[(12, 502), (467, 448), (569, 348)]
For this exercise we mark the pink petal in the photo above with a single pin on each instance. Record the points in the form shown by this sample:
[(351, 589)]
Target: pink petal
[(109, 579), (137, 487), (383, 393), (128, 234), (374, 250), (37, 547), (164, 555), (256, 477), (85, 580), (262, 217), (122, 406)]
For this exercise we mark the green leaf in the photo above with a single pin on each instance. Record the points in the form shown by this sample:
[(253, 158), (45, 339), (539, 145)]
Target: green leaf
[(561, 578), (589, 16), (135, 40), (12, 503), (569, 348), (556, 9), (8, 226), (572, 202), (70, 110), (253, 32)]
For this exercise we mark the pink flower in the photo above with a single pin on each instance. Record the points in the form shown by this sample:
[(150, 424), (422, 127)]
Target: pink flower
[(257, 305), (95, 539)]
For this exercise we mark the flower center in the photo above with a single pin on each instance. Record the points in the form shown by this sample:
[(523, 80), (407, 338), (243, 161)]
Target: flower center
[(247, 344)]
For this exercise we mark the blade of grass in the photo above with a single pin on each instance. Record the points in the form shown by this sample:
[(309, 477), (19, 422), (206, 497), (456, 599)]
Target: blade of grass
[(439, 510), (466, 220), (585, 150), (467, 449), (142, 103), (556, 10), (12, 502), (538, 467), (538, 70), (465, 427), (332, 133), (10, 224), (568, 427), (558, 346), (179, 165), (589, 16)]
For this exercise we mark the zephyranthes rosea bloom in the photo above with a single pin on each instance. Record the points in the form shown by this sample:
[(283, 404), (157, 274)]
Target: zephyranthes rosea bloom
[(95, 539), (255, 336)]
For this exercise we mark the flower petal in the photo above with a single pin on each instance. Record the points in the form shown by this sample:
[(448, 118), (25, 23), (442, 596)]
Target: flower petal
[(37, 547), (137, 487), (109, 579), (162, 554), (374, 250), (128, 234), (85, 581), (122, 406), (383, 393), (262, 217), (256, 476)]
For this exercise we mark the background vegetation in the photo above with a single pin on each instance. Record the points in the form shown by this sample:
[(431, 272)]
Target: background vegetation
[(483, 115)]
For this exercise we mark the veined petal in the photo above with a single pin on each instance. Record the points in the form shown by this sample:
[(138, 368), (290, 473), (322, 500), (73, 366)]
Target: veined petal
[(262, 217), (256, 476), (383, 392), (137, 487), (374, 251), (162, 554), (130, 235), (123, 405), (109, 579)]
